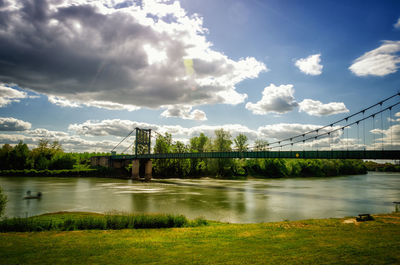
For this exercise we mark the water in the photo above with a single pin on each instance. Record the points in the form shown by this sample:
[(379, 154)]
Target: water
[(248, 201)]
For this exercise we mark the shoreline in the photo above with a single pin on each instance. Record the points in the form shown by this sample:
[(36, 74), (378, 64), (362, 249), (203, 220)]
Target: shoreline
[(313, 241)]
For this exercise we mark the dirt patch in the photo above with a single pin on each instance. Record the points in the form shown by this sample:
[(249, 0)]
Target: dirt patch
[(350, 221)]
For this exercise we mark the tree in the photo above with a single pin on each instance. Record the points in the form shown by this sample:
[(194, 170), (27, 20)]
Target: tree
[(19, 155), (240, 142), (199, 144), (5, 156), (3, 202), (162, 167), (261, 145), (222, 143)]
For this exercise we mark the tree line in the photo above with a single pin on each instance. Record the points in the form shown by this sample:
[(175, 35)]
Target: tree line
[(47, 155), (240, 168), (50, 156)]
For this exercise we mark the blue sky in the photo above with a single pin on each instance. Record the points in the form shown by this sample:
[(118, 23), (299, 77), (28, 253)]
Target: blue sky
[(87, 72)]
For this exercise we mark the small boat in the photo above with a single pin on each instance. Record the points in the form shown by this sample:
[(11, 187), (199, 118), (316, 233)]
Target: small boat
[(29, 196)]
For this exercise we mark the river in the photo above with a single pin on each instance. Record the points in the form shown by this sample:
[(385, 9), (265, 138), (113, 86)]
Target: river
[(247, 201)]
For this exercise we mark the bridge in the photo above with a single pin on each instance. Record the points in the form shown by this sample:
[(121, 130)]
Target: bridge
[(319, 143)]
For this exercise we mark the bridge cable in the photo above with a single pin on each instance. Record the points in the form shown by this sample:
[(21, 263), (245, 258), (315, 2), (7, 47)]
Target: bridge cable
[(391, 129), (345, 126), (338, 121), (373, 129), (123, 140), (365, 147), (382, 127)]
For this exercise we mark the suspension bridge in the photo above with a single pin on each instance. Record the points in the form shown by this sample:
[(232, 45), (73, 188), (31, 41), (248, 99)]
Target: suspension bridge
[(371, 133)]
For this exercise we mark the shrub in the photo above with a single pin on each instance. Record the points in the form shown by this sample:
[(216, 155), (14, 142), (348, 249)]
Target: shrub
[(3, 202)]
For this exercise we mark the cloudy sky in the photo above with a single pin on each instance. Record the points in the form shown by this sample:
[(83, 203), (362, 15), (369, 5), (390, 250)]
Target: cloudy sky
[(87, 72)]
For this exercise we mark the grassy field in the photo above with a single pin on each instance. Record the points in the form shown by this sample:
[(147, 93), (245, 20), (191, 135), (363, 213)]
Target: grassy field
[(327, 241)]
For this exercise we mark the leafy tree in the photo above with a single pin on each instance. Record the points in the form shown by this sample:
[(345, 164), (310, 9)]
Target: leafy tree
[(5, 156), (261, 145), (240, 142), (222, 143), (162, 167), (3, 202), (199, 144), (18, 156)]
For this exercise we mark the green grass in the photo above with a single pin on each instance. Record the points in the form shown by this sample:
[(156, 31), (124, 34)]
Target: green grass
[(326, 241), (87, 221)]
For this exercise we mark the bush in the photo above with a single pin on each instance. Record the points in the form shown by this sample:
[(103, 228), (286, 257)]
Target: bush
[(3, 202), (102, 222)]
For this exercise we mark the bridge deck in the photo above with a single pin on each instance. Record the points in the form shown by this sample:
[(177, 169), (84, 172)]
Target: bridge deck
[(344, 154)]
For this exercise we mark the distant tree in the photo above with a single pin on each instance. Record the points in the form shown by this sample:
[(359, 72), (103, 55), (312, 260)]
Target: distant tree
[(162, 167), (260, 145), (221, 143), (18, 157), (3, 202), (5, 156), (198, 144), (240, 142)]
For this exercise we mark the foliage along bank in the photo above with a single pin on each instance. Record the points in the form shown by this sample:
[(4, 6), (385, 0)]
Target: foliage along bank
[(241, 168), (48, 159)]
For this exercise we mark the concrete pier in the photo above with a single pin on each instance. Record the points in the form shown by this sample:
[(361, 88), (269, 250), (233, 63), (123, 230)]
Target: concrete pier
[(135, 169), (148, 170)]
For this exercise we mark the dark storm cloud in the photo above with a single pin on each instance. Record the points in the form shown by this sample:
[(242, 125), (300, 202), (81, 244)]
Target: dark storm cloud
[(95, 51)]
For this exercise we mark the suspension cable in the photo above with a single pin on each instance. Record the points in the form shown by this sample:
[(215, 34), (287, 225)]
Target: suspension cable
[(123, 140), (345, 126), (338, 121)]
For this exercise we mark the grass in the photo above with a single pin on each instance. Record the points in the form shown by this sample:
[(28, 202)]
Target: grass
[(87, 221), (326, 241)]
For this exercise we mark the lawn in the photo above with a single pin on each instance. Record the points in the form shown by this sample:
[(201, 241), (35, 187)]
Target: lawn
[(327, 241)]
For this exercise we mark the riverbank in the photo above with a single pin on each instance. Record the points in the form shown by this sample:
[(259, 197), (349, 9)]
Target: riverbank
[(326, 241)]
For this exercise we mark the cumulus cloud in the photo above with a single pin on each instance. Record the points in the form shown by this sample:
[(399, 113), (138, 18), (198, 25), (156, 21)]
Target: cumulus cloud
[(310, 65), (12, 124), (277, 99), (8, 95), (286, 130), (121, 128), (317, 108), (63, 102), (397, 24), (381, 61), (184, 112), (117, 54)]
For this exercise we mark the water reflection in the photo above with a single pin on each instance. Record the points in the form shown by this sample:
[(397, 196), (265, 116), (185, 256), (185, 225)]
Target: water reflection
[(224, 200)]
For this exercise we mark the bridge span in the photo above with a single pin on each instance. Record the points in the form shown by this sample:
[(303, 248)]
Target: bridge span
[(331, 141)]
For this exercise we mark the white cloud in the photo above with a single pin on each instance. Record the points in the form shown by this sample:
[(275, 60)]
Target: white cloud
[(8, 95), (310, 65), (117, 55), (281, 131), (381, 61), (12, 124), (277, 99), (397, 24), (184, 112), (63, 102), (317, 108)]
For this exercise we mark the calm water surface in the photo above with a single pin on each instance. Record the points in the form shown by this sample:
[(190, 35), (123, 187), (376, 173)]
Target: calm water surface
[(224, 200)]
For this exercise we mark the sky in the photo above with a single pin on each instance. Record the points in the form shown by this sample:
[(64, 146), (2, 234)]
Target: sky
[(86, 73)]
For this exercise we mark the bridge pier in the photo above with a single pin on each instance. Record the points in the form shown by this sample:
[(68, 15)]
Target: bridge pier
[(135, 169), (148, 168)]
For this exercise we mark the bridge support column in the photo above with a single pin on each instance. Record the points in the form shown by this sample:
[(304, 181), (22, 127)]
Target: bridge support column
[(148, 170), (135, 169)]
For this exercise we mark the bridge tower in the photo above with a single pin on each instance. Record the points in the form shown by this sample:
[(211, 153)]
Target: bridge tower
[(142, 146)]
